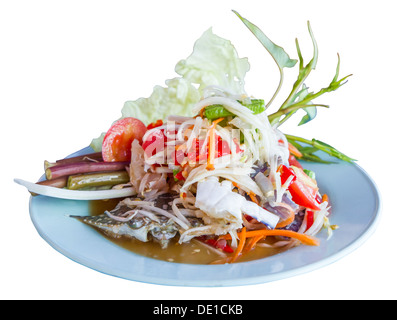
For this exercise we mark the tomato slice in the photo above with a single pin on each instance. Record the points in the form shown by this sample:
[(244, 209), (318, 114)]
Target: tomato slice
[(309, 219), (303, 190), (303, 195), (222, 148), (116, 145), (156, 124), (294, 162), (154, 142)]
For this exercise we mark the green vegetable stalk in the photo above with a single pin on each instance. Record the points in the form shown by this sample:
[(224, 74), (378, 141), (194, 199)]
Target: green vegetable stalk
[(101, 179), (217, 111), (309, 147), (299, 97)]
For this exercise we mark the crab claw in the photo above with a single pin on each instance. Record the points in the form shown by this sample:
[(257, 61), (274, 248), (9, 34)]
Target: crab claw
[(218, 200)]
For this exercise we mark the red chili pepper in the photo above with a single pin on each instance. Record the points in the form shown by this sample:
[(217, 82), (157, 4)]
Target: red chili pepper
[(156, 124), (179, 176), (218, 244), (222, 244), (154, 143), (309, 218), (285, 173), (310, 214), (221, 148), (301, 193), (294, 162), (178, 157)]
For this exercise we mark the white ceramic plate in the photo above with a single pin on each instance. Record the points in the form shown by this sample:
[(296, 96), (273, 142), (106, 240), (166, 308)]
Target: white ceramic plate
[(355, 208)]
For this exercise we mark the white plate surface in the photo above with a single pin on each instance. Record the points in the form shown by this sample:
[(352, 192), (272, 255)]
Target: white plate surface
[(356, 207)]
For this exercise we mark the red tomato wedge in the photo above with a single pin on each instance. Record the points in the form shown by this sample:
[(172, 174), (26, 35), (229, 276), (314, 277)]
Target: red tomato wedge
[(303, 190), (294, 162), (116, 145), (154, 142)]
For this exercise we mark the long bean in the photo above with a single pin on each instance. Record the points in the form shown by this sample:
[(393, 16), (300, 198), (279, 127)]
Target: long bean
[(91, 157), (60, 182), (218, 111), (97, 179), (83, 167)]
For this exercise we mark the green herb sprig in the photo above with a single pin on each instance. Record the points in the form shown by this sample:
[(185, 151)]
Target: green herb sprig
[(299, 97), (309, 147)]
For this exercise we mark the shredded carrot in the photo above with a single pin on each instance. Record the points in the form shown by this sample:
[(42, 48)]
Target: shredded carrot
[(220, 261), (225, 236), (290, 218), (286, 222), (304, 238), (251, 242), (239, 249), (294, 151), (248, 244), (253, 198), (200, 114), (211, 148), (184, 174), (215, 122), (325, 198), (180, 147)]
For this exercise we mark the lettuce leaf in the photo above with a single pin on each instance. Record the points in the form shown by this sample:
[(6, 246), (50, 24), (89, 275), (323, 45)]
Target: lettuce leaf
[(177, 97), (214, 61)]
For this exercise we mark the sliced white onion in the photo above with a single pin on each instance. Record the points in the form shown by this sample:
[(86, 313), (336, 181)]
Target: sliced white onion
[(75, 194)]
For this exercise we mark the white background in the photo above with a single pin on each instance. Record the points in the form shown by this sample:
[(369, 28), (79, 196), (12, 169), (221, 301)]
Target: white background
[(66, 68)]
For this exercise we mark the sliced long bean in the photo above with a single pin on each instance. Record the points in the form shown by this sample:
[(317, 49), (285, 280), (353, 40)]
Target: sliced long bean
[(217, 111), (317, 145), (91, 157), (88, 180), (56, 183), (60, 182), (83, 167)]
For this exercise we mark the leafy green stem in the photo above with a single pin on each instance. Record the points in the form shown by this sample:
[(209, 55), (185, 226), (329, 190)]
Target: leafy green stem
[(278, 54), (289, 110), (303, 71), (280, 84), (317, 145), (299, 97)]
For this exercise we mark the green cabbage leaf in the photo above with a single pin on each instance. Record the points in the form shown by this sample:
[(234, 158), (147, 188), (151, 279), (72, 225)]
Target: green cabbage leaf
[(214, 61)]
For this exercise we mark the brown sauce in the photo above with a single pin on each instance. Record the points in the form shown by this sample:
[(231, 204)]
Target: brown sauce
[(191, 253)]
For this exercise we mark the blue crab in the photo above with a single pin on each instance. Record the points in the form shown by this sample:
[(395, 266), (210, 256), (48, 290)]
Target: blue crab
[(132, 218)]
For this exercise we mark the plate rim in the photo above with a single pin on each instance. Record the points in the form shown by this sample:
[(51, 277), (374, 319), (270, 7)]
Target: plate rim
[(102, 268)]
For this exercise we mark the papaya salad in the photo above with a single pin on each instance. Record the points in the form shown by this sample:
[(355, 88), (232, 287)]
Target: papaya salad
[(202, 160)]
